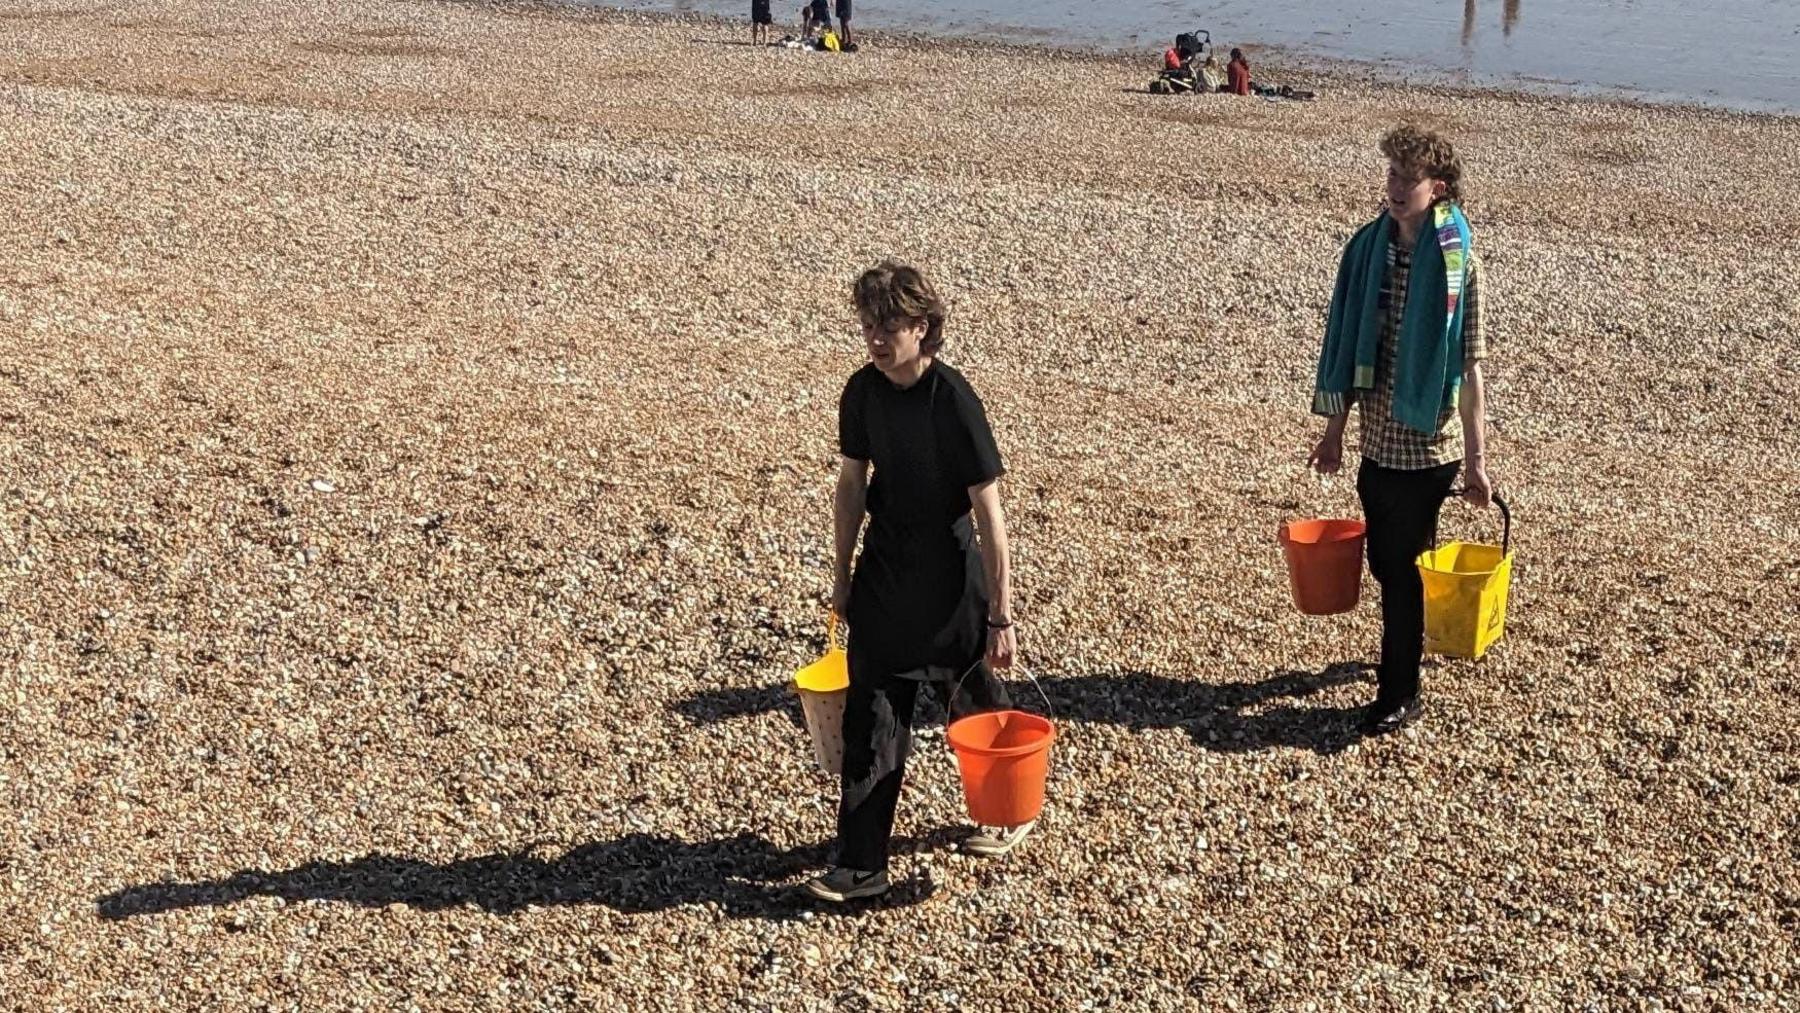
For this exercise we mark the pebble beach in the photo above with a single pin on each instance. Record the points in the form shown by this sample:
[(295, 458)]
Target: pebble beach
[(417, 434)]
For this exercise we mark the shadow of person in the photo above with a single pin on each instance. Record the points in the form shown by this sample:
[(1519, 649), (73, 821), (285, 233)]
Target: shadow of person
[(716, 705), (1226, 717), (637, 873)]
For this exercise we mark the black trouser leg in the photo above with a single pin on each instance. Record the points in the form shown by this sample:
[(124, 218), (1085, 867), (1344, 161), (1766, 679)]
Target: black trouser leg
[(1401, 510), (877, 738)]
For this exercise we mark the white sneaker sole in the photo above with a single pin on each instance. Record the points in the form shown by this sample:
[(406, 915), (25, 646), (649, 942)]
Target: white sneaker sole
[(840, 896), (986, 850)]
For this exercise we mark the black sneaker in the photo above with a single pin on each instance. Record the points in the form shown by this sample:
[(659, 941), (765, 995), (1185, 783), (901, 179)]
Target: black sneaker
[(1382, 719), (841, 884)]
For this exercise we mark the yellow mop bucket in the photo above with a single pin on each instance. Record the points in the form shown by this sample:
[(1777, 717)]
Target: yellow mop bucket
[(823, 687), (1465, 593)]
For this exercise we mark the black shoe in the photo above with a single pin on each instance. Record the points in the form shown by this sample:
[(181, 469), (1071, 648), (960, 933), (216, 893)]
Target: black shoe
[(840, 885), (1383, 718)]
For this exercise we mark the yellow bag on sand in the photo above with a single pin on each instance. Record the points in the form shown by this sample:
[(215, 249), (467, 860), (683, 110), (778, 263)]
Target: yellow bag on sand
[(830, 41)]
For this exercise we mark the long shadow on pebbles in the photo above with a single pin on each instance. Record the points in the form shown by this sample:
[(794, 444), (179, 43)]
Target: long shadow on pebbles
[(1217, 716), (636, 873)]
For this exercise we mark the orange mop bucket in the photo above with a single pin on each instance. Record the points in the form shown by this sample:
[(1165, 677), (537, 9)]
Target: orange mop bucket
[(823, 687), (1324, 559), (1465, 592), (1004, 759)]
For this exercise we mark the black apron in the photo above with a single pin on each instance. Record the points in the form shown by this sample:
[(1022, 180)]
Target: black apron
[(918, 598), (919, 594)]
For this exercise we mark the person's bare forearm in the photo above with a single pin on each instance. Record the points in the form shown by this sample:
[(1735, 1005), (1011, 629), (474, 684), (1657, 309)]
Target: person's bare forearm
[(996, 558), (847, 520), (1334, 427), (1474, 415)]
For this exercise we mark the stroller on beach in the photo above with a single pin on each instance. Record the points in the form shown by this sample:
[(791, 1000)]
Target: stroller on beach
[(1184, 78)]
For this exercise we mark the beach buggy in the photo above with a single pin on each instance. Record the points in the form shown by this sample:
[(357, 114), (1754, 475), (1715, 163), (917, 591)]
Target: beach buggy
[(1180, 74)]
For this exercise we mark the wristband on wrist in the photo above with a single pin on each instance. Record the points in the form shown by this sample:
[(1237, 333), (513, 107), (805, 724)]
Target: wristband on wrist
[(1004, 625)]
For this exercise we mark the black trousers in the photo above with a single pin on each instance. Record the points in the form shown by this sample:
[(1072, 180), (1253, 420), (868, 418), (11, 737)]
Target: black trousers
[(877, 740), (1401, 509)]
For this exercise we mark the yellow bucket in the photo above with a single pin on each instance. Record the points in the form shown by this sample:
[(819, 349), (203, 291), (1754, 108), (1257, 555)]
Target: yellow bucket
[(1465, 593), (823, 686)]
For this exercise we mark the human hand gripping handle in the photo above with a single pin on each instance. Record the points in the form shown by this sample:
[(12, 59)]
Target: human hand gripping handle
[(1505, 517), (1328, 454), (1477, 489), (840, 598), (1002, 645)]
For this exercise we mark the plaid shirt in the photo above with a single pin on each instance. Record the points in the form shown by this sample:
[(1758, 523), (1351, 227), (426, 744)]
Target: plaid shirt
[(1384, 440)]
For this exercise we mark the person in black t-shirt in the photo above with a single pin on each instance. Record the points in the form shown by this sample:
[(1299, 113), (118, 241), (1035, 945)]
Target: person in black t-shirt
[(928, 602), (760, 20)]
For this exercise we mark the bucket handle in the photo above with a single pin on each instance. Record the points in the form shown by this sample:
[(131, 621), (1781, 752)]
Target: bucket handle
[(1048, 706), (1505, 519)]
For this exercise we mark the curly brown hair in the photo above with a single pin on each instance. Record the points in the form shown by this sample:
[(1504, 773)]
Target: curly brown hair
[(892, 292), (1423, 154)]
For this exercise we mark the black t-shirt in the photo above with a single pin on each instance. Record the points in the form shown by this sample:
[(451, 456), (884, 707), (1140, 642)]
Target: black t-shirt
[(929, 443), (919, 595)]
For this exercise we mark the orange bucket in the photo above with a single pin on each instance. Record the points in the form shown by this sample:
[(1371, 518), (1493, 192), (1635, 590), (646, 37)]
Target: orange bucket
[(1325, 559), (1004, 757)]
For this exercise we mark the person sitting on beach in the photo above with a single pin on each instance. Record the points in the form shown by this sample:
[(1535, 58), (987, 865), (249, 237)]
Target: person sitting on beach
[(1237, 73), (928, 603), (1212, 76), (1413, 371), (760, 20)]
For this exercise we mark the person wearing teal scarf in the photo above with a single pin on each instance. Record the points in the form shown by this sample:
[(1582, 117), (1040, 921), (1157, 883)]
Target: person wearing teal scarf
[(1403, 344), (1428, 371)]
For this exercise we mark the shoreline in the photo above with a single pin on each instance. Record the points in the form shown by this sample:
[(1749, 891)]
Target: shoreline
[(1276, 59)]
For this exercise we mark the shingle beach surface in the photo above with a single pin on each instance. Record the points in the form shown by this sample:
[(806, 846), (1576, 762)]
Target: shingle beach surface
[(416, 439)]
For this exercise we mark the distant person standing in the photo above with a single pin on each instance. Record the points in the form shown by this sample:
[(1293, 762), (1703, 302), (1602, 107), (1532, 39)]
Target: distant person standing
[(761, 17), (843, 13), (1237, 74)]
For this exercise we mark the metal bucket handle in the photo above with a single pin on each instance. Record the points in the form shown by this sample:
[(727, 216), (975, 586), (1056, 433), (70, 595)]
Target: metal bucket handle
[(949, 702)]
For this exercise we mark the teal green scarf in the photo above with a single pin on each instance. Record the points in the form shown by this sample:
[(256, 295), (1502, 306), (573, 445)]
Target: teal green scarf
[(1428, 362)]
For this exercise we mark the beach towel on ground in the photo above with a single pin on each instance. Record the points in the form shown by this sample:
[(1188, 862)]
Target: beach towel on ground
[(1428, 361)]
